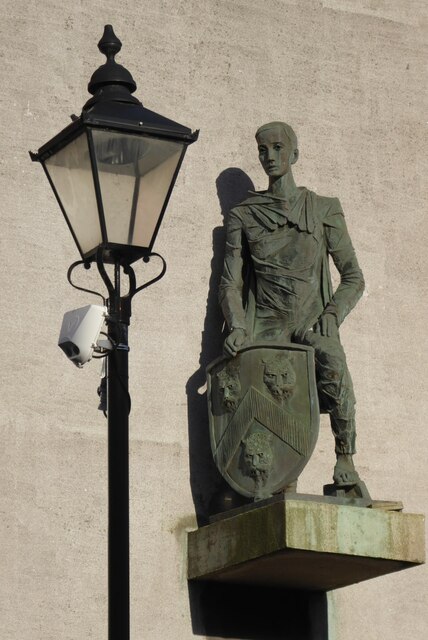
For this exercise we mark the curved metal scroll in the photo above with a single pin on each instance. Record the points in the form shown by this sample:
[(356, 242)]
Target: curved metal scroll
[(128, 270), (87, 265), (158, 277)]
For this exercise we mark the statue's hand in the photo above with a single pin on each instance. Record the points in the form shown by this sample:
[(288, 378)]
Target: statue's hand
[(326, 325), (234, 341)]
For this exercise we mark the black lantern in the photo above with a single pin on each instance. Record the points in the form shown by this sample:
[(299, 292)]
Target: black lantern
[(113, 168)]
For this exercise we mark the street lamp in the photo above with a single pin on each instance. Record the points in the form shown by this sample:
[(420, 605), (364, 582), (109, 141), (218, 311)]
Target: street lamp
[(112, 171)]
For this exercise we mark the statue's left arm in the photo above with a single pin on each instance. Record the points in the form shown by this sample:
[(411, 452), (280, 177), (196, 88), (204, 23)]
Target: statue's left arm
[(340, 248)]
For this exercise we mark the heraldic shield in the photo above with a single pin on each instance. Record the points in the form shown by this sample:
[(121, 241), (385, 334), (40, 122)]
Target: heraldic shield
[(263, 415)]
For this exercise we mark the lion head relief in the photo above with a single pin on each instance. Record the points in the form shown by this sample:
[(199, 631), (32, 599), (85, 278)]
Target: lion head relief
[(229, 386), (279, 376)]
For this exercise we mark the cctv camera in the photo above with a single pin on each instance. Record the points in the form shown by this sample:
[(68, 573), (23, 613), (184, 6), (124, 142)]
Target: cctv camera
[(80, 331)]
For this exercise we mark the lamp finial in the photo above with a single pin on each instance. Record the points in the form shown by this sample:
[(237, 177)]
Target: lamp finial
[(109, 44), (111, 74)]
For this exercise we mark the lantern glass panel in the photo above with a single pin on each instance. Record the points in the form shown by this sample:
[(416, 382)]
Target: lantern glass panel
[(135, 174), (71, 173)]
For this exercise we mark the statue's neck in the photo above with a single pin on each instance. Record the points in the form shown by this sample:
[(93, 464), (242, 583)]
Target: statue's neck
[(283, 186)]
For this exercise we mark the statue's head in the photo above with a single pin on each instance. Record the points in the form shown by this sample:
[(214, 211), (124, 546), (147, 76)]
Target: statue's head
[(277, 145), (279, 376), (229, 387)]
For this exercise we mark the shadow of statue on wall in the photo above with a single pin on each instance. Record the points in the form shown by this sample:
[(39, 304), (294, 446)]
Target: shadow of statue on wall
[(209, 491)]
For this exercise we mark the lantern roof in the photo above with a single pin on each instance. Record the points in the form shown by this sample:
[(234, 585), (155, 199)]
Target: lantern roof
[(113, 106)]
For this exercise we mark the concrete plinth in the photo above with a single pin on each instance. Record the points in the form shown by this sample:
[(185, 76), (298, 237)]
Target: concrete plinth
[(301, 544)]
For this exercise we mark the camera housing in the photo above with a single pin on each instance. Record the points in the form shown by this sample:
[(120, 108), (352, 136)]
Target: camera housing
[(80, 331)]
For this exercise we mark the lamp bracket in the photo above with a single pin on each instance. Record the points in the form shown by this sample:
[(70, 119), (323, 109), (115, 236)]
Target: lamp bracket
[(156, 278), (124, 302), (87, 265)]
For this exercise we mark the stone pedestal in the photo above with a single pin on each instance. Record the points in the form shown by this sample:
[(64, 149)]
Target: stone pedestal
[(306, 545)]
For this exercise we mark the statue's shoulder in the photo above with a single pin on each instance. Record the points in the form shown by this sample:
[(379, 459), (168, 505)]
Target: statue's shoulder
[(323, 206), (254, 197), (243, 211)]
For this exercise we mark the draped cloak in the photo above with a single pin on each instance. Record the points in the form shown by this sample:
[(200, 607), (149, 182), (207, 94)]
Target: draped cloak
[(279, 251)]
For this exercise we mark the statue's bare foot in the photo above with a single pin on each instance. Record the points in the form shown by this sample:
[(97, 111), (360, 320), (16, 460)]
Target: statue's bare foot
[(344, 470)]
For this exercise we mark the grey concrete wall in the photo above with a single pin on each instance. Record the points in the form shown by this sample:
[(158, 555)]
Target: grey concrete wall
[(350, 76)]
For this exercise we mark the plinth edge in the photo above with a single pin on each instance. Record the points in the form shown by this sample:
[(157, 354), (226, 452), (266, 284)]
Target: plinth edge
[(308, 545)]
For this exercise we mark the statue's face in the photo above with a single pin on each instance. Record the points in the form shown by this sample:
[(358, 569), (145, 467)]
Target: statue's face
[(275, 151)]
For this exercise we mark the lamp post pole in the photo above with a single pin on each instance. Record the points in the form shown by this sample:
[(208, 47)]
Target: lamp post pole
[(118, 409), (118, 406)]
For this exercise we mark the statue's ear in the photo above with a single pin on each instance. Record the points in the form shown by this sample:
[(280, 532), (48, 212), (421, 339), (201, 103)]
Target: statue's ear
[(295, 156)]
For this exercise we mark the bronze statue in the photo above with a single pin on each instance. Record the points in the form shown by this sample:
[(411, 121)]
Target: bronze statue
[(276, 285)]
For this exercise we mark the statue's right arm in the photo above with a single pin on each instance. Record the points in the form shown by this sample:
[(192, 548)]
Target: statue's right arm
[(231, 284)]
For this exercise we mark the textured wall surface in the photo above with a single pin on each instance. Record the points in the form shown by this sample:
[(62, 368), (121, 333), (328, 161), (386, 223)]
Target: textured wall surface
[(350, 76)]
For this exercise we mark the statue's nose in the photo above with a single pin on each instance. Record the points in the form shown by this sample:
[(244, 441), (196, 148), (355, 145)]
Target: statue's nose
[(256, 459)]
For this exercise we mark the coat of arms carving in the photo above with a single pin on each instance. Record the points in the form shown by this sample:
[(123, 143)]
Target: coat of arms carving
[(264, 416)]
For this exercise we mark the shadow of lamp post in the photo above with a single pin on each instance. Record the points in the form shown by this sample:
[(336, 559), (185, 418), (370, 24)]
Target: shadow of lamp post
[(112, 171)]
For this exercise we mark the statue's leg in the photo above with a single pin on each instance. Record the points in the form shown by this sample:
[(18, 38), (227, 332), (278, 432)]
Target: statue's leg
[(336, 396)]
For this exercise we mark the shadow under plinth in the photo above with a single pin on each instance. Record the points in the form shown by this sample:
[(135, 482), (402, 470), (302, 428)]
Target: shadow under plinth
[(257, 613)]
